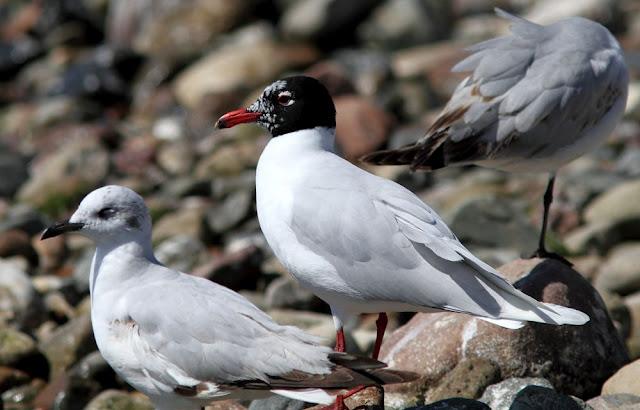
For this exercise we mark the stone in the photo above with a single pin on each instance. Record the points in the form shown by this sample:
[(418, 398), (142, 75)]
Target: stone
[(176, 158), (615, 204), (575, 359), (549, 11), (237, 269), (620, 272), (615, 402), (544, 398), (187, 220), (114, 399), (14, 346), (501, 395), (225, 405), (10, 378), (286, 293), (239, 64), (19, 302), (276, 403), (232, 211), (171, 30), (24, 218), (453, 404), (15, 242), (467, 379), (68, 343), (22, 397), (401, 24), (231, 158), (361, 127), (503, 217), (14, 169), (52, 253), (181, 252), (62, 177), (624, 380)]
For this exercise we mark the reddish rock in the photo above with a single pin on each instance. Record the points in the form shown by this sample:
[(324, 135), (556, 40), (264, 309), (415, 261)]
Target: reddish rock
[(361, 126), (576, 359), (51, 253)]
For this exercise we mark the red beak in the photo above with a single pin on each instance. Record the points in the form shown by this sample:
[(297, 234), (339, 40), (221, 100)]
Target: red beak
[(233, 118)]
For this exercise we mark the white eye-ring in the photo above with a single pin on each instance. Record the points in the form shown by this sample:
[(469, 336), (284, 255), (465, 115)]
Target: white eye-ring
[(284, 99)]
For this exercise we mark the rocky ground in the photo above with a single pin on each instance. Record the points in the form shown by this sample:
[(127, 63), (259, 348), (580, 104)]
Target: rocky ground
[(126, 91)]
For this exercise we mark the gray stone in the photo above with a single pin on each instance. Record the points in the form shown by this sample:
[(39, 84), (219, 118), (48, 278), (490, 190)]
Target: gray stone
[(233, 210), (501, 395), (620, 272), (468, 379), (181, 252), (114, 399), (277, 403), (68, 343), (285, 293), (453, 404), (544, 398), (19, 302), (13, 168), (615, 402)]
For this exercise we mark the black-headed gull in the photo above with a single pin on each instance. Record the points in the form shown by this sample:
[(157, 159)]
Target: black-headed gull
[(185, 341), (535, 100), (362, 243)]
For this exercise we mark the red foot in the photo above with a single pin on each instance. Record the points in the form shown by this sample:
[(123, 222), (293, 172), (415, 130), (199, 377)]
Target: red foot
[(340, 346), (381, 326)]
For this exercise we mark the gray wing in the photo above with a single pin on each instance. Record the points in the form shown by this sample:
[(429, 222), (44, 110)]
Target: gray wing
[(525, 89), (190, 330)]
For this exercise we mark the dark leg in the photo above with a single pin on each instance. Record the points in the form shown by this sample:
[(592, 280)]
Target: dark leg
[(381, 326), (542, 251), (340, 345)]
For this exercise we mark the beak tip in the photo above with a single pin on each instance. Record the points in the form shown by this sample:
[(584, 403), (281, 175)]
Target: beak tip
[(219, 125)]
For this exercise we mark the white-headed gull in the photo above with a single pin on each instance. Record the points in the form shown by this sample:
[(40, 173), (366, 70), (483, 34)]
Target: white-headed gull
[(535, 100), (362, 243), (185, 341)]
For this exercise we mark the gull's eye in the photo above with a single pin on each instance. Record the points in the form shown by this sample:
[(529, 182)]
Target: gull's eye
[(106, 213), (285, 99)]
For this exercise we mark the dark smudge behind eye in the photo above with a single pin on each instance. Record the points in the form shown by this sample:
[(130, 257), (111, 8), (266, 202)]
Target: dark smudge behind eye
[(132, 221)]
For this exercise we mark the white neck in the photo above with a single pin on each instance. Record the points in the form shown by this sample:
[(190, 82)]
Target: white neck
[(318, 138), (120, 254)]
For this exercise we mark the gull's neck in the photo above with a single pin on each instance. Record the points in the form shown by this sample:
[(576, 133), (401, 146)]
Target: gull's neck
[(118, 259), (313, 139)]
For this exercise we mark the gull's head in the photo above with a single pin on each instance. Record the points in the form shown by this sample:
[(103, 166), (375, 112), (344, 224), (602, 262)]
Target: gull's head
[(109, 214), (290, 104)]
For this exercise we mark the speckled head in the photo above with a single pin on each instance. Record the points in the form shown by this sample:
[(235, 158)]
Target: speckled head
[(107, 213), (288, 105)]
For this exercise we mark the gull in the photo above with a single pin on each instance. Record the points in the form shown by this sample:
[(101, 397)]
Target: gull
[(535, 100), (185, 341), (362, 243)]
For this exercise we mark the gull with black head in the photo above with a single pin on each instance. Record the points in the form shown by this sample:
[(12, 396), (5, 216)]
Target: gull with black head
[(362, 243), (535, 100), (185, 341)]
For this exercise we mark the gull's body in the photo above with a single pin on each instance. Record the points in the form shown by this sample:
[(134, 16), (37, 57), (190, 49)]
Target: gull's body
[(362, 243), (535, 100), (185, 341)]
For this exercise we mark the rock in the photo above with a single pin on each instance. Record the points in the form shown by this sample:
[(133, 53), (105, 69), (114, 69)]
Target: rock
[(233, 210), (318, 324), (24, 218), (361, 127), (329, 23), (285, 293), (22, 397), (14, 169), (136, 155), (239, 64), (618, 311), (176, 158), (467, 379), (16, 53), (620, 272), (615, 402), (276, 403), (51, 253), (15, 242), (10, 378), (188, 220), (472, 219), (400, 23), (453, 404), (230, 158), (575, 359), (19, 302), (501, 395), (114, 399), (171, 30), (615, 204), (221, 187), (19, 351), (68, 343), (60, 178), (369, 399), (544, 398), (181, 252), (225, 405), (238, 269), (549, 11), (624, 380)]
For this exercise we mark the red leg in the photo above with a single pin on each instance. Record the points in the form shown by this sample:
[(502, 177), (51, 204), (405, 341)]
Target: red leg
[(340, 346), (381, 326), (339, 403)]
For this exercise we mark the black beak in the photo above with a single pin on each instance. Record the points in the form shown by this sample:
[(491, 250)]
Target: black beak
[(60, 228)]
